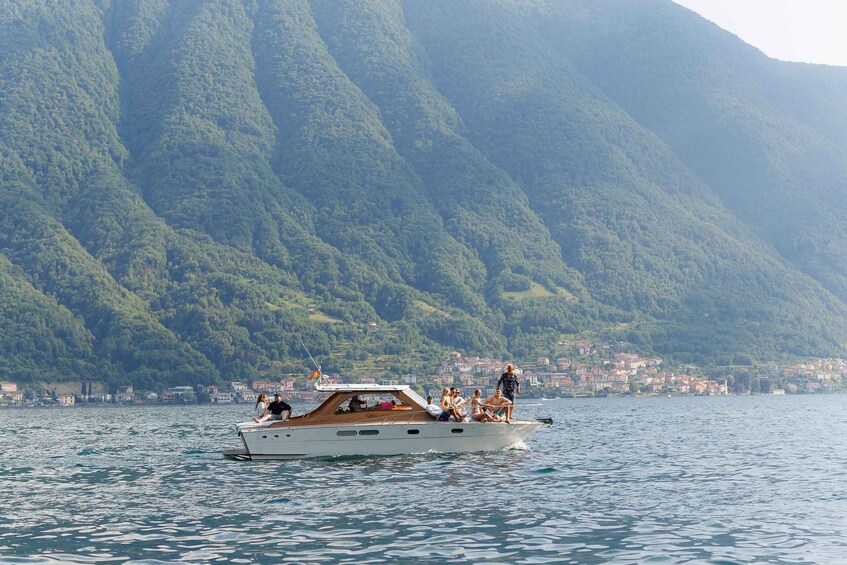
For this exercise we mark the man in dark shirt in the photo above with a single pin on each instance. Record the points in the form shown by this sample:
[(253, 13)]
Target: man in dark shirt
[(279, 409), (510, 386), (356, 404)]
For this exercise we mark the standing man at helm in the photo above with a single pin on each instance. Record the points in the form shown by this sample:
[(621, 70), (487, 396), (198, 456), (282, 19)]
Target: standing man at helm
[(510, 386)]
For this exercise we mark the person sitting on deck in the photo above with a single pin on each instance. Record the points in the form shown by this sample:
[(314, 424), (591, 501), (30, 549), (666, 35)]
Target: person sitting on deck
[(356, 404), (456, 398), (279, 409), (436, 411), (260, 411), (499, 402), (447, 405), (478, 411)]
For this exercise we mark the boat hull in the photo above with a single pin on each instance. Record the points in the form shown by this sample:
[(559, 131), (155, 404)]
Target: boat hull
[(298, 442)]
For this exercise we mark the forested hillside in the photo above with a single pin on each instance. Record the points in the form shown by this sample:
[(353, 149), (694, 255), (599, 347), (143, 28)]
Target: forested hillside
[(189, 189)]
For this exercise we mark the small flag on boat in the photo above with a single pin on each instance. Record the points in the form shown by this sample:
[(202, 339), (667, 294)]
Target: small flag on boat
[(315, 375)]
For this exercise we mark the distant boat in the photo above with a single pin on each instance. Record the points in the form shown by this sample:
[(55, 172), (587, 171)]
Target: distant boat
[(392, 428)]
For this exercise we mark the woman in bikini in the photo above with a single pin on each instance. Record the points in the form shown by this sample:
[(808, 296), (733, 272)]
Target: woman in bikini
[(478, 411)]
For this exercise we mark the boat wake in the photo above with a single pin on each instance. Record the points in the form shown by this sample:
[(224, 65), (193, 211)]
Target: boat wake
[(518, 446)]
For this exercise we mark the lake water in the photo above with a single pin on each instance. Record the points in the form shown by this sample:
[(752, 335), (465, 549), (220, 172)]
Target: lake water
[(619, 480)]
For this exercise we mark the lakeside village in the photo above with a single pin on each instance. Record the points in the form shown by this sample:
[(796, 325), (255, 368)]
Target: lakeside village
[(593, 370)]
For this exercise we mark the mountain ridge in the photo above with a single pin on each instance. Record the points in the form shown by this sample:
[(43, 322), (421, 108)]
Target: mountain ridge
[(193, 189)]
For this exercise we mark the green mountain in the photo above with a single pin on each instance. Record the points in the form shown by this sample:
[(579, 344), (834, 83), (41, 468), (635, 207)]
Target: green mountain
[(191, 189), (768, 137)]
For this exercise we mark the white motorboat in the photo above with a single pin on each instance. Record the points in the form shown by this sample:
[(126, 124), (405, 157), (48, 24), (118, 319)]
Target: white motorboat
[(369, 419)]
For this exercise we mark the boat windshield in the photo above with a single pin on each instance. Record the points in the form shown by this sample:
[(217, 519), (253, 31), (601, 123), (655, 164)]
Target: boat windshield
[(372, 402), (414, 396)]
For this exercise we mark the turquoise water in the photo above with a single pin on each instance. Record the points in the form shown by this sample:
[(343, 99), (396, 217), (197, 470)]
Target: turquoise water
[(653, 480)]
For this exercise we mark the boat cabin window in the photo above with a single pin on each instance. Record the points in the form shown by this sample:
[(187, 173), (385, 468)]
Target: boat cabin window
[(373, 402)]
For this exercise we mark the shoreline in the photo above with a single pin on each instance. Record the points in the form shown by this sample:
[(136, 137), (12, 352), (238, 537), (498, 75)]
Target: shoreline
[(99, 405)]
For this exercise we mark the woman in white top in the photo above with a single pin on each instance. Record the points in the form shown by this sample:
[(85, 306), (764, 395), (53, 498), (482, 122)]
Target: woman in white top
[(260, 412)]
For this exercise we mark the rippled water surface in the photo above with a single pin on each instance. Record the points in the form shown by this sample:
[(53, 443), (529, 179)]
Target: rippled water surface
[(654, 480)]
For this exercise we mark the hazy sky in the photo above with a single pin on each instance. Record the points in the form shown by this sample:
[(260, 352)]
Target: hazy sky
[(811, 31)]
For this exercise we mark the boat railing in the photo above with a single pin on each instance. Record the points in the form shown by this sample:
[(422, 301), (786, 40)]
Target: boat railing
[(395, 419)]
